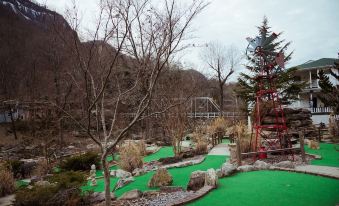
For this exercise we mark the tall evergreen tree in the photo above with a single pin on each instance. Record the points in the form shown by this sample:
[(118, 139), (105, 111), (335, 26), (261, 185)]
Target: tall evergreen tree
[(285, 82), (329, 92)]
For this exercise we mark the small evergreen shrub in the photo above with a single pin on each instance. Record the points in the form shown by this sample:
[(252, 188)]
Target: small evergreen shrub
[(63, 190), (15, 167), (81, 162)]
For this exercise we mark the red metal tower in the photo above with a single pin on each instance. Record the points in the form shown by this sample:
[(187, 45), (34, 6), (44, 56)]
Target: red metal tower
[(271, 135)]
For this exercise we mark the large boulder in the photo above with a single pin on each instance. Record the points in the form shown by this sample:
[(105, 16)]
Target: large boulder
[(123, 181), (261, 165), (160, 178), (138, 172), (43, 183), (228, 169), (130, 195), (246, 168), (211, 178), (197, 180), (285, 164), (98, 197), (119, 173)]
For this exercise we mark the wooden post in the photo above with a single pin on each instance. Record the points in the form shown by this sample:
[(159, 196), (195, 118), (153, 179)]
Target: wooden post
[(238, 152), (319, 135), (302, 143)]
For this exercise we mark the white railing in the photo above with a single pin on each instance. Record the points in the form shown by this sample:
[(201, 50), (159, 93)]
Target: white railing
[(214, 114), (321, 110), (195, 115), (314, 83)]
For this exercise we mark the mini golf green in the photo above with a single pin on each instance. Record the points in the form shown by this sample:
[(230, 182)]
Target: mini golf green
[(163, 152), (180, 176), (273, 188), (330, 157)]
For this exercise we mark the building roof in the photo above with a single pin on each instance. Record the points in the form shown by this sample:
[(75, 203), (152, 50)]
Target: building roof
[(323, 62)]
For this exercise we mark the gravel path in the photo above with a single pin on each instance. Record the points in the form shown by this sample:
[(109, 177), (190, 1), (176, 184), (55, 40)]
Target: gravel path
[(220, 149), (321, 170), (7, 200)]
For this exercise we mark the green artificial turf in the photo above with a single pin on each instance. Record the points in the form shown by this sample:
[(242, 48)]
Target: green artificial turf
[(330, 157), (22, 183), (225, 141), (276, 188), (163, 152), (180, 176)]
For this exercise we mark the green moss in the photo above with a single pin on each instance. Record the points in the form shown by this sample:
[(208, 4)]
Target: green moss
[(273, 188)]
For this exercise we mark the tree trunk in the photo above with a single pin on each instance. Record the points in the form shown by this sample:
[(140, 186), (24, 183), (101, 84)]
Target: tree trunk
[(61, 133), (107, 181), (13, 123), (221, 99)]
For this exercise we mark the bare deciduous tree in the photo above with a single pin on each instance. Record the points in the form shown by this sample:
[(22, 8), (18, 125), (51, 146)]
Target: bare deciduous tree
[(222, 61), (133, 42)]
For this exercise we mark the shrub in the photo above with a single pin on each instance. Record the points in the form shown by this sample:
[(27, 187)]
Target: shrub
[(142, 147), (64, 190), (68, 179), (14, 166), (218, 125), (201, 148), (170, 160), (240, 132), (7, 182), (81, 162), (37, 196), (130, 157), (160, 178), (42, 168), (201, 143)]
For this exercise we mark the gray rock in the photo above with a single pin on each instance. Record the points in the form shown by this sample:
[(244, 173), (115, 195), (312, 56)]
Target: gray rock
[(228, 169), (43, 183), (138, 172), (211, 178), (219, 173), (246, 168), (130, 195), (197, 180), (169, 189), (261, 165), (98, 197), (119, 173), (285, 164), (123, 181)]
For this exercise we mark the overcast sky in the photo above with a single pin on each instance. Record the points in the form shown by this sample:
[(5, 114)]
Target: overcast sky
[(311, 25)]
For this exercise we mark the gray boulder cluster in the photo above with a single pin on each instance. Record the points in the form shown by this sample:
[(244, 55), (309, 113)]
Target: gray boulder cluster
[(296, 120), (199, 179)]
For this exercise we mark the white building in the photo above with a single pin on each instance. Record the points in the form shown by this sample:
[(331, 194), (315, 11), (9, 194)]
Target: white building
[(309, 97)]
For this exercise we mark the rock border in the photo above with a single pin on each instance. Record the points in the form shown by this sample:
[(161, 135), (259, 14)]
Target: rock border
[(190, 198), (303, 172)]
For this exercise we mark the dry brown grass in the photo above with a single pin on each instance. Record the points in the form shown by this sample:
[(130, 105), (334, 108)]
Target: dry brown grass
[(240, 131), (42, 168), (130, 157), (218, 125), (201, 143), (160, 178), (7, 182)]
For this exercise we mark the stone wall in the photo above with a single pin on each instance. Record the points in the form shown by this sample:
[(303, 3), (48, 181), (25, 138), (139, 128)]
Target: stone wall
[(296, 120)]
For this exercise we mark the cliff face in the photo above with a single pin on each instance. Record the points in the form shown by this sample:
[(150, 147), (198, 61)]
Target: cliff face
[(30, 35)]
